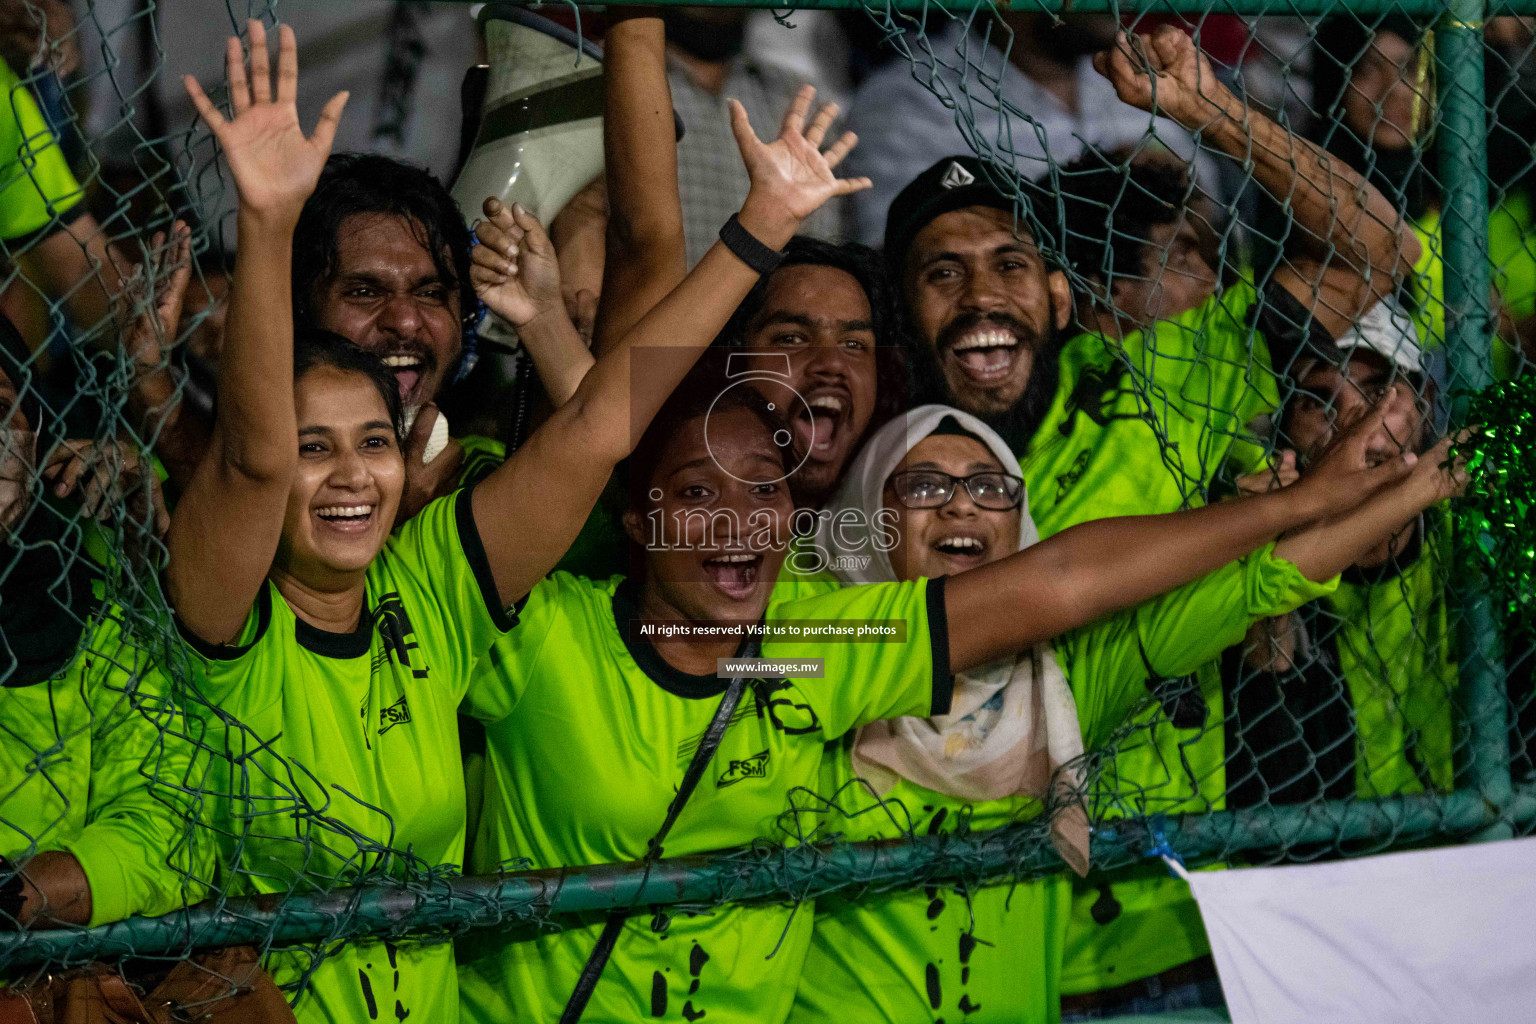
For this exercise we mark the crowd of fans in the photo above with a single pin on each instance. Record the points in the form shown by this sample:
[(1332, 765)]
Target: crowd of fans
[(1125, 407)]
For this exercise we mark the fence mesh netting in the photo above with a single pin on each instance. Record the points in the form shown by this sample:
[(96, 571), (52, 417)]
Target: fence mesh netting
[(1395, 710)]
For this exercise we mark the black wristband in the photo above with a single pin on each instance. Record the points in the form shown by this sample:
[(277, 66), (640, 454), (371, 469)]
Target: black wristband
[(748, 248), (12, 893)]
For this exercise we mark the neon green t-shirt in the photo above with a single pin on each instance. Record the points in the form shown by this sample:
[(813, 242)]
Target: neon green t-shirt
[(347, 753), (935, 953), (997, 955), (1143, 427), (36, 185), (598, 550), (1512, 254), (481, 457), (1132, 924), (1395, 646), (97, 762), (588, 735), (1387, 633)]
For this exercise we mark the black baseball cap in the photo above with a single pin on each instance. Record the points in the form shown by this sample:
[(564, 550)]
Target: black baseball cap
[(954, 183)]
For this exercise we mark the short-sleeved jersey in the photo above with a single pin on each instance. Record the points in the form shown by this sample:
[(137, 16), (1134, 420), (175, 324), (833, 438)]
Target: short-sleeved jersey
[(1147, 426), (1512, 253), (600, 550), (348, 756), (36, 185), (1144, 426), (995, 954), (1368, 708), (96, 761), (481, 457), (588, 735)]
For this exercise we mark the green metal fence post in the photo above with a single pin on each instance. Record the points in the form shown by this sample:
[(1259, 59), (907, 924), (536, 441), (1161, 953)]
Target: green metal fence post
[(1468, 323)]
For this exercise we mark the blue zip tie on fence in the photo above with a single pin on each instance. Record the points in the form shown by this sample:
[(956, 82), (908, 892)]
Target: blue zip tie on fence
[(1157, 824)]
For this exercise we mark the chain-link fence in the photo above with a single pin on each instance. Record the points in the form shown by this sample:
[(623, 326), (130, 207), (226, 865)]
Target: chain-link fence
[(1396, 709)]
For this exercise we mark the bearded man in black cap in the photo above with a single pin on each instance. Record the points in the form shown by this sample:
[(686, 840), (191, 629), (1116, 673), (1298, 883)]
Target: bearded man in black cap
[(1135, 421), (990, 307)]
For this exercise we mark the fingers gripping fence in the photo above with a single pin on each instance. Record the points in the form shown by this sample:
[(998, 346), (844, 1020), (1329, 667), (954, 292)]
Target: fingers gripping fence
[(104, 729)]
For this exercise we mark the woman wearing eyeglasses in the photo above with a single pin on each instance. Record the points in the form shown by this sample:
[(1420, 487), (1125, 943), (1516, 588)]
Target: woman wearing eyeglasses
[(940, 483), (616, 683)]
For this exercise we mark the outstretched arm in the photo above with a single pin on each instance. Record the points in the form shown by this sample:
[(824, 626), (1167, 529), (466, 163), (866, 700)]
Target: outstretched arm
[(1100, 567), (1353, 244), (647, 256), (225, 530), (530, 510)]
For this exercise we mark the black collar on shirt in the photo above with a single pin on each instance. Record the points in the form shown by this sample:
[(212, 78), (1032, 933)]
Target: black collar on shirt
[(626, 608), (336, 645)]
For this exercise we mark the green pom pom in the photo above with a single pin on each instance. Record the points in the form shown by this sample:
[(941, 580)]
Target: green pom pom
[(1499, 506)]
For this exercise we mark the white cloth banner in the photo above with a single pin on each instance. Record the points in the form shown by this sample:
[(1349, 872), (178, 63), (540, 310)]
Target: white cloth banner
[(1443, 936)]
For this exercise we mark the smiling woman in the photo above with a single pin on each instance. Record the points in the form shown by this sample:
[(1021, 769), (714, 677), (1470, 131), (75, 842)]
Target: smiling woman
[(334, 652), (350, 473), (618, 682), (1004, 751), (578, 683)]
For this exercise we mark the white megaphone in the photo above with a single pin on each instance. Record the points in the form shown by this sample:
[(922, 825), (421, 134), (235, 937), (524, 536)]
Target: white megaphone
[(541, 130), (539, 142)]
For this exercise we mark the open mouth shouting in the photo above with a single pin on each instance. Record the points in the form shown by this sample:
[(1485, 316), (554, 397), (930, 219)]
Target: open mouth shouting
[(986, 354), (961, 548), (820, 432), (735, 573), (410, 367), (347, 519), (986, 350)]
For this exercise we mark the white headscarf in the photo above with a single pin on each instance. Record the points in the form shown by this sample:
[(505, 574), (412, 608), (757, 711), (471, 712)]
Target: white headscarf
[(1012, 726)]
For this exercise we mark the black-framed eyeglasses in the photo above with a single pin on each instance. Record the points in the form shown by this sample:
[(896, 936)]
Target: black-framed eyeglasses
[(929, 488)]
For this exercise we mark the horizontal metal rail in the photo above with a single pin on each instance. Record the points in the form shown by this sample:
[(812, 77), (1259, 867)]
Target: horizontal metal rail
[(1426, 9), (530, 901)]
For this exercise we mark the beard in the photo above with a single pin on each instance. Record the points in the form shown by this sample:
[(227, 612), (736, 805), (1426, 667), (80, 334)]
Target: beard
[(1018, 423)]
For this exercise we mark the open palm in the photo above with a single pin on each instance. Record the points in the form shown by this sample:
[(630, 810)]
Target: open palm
[(149, 306), (791, 172), (514, 268), (274, 166)]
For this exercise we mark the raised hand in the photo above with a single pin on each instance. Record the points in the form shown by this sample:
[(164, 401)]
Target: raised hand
[(515, 271), (149, 305), (1441, 471), (1166, 70), (791, 176), (1350, 471), (274, 166), (103, 476)]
